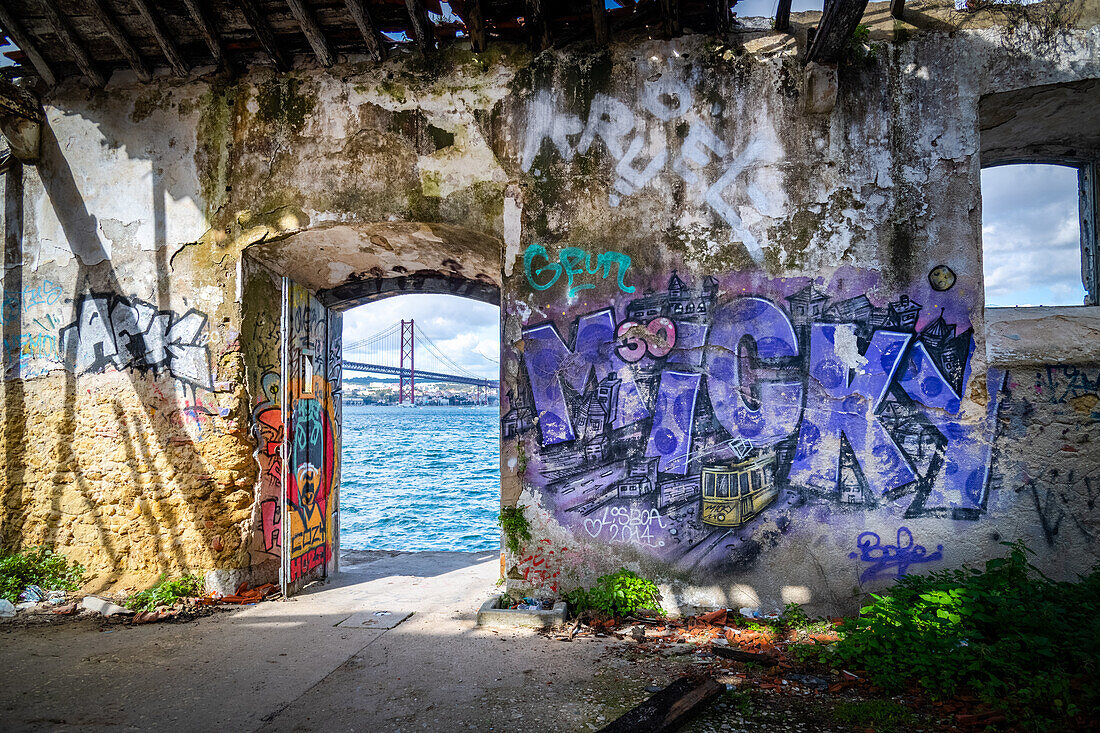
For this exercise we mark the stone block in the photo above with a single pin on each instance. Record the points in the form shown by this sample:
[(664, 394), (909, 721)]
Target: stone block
[(491, 614), (819, 89)]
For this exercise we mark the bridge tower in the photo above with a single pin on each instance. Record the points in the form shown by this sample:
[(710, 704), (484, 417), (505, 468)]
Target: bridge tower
[(408, 351)]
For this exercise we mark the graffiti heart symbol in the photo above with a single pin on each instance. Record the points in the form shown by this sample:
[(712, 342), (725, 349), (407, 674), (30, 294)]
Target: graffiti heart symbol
[(593, 527)]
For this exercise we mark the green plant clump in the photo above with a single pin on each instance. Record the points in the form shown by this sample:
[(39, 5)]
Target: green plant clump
[(515, 526), (166, 593), (1022, 642), (619, 594), (881, 715), (39, 566)]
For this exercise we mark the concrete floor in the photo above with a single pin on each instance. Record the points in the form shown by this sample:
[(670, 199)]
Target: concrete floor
[(287, 666)]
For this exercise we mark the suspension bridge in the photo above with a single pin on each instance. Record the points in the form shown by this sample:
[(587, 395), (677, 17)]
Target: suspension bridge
[(404, 351)]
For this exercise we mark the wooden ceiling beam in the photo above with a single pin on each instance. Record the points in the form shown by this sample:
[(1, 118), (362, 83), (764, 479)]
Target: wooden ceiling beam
[(600, 26), (322, 49), (538, 27), (209, 34), (475, 25), (19, 36), (670, 18), (783, 16), (719, 10), (72, 44), (359, 12), (107, 20), (167, 46), (421, 24), (257, 21), (834, 32)]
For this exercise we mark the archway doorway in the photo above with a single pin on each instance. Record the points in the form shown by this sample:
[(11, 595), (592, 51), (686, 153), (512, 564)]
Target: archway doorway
[(295, 292), (420, 448)]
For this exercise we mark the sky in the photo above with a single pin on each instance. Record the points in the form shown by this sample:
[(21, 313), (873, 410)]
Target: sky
[(463, 329), (1031, 236)]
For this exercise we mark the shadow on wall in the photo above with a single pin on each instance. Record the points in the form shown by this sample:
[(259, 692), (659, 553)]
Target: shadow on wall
[(161, 350)]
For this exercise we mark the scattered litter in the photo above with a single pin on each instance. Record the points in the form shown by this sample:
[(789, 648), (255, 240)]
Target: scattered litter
[(809, 680), (56, 597), (104, 607), (750, 612), (33, 594), (243, 596)]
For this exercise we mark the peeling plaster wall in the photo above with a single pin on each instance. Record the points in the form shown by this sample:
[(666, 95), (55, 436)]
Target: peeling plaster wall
[(701, 283), (137, 338), (747, 343)]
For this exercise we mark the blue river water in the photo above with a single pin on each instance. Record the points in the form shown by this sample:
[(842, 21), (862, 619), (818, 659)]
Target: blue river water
[(424, 478)]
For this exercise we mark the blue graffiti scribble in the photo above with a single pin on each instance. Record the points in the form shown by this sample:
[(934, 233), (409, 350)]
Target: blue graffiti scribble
[(895, 558)]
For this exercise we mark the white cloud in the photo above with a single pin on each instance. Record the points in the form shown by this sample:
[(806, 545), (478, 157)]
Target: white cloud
[(460, 328), (1030, 235)]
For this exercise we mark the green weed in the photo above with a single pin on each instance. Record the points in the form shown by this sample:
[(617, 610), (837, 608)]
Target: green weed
[(516, 528), (37, 566), (881, 715), (166, 593), (619, 594), (1023, 643)]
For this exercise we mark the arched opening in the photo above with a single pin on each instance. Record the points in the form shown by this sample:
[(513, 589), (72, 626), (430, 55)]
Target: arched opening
[(420, 448), (294, 296)]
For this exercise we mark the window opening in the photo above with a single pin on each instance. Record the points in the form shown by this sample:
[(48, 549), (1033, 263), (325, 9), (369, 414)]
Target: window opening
[(1032, 245)]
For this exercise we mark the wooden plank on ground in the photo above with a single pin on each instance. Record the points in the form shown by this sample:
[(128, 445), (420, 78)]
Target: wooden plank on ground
[(669, 709), (739, 656)]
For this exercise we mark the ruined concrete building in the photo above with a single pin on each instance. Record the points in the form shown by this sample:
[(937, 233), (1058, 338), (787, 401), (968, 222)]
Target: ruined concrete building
[(745, 344)]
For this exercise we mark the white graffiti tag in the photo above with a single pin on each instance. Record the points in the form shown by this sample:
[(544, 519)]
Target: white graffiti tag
[(638, 142), (627, 524)]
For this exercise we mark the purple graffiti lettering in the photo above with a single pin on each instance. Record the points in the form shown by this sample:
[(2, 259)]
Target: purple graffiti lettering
[(550, 364), (670, 436), (747, 331), (891, 558), (840, 404)]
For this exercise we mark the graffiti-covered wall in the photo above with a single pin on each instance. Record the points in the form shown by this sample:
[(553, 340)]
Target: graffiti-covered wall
[(745, 349)]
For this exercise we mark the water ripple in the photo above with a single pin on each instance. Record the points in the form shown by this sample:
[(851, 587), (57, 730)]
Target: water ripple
[(420, 479)]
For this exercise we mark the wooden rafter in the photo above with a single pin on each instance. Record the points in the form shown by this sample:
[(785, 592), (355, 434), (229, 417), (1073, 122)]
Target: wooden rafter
[(670, 18), (834, 32), (599, 23), (15, 31), (783, 16), (322, 49), (421, 24), (167, 46), (719, 10), (72, 44), (475, 25), (257, 21), (206, 29), (358, 11), (107, 20), (538, 27)]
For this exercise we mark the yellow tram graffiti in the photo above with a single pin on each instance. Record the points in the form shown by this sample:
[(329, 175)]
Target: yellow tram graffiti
[(735, 493)]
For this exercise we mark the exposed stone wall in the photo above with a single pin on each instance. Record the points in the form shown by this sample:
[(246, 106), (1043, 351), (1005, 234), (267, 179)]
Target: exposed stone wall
[(833, 357)]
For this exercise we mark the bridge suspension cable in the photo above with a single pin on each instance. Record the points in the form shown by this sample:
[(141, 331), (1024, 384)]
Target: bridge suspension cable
[(381, 354)]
